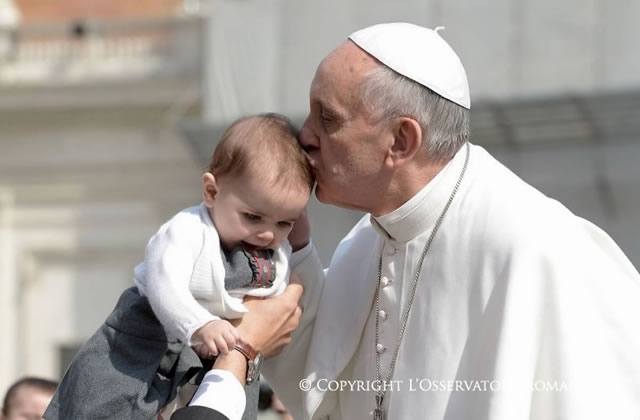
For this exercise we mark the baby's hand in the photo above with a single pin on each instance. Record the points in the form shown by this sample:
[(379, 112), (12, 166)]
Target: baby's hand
[(300, 235), (217, 336)]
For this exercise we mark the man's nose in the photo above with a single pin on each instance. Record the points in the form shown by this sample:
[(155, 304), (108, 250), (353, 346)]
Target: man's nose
[(308, 138)]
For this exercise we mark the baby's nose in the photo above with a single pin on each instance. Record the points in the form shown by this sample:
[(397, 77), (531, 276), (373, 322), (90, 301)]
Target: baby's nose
[(265, 237)]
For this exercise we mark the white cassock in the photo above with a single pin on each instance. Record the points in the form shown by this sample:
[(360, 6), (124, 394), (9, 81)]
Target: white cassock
[(522, 311)]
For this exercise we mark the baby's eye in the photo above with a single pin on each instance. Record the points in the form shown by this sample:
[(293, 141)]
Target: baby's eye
[(252, 217), (285, 224)]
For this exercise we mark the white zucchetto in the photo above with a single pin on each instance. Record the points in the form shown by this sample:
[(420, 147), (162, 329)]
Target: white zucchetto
[(419, 54)]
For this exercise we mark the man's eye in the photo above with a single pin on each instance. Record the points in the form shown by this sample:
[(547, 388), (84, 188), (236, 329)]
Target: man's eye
[(252, 217), (327, 117)]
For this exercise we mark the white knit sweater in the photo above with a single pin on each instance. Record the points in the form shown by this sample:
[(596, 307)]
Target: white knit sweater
[(182, 275)]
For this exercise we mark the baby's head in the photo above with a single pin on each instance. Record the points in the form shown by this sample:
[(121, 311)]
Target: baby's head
[(258, 182)]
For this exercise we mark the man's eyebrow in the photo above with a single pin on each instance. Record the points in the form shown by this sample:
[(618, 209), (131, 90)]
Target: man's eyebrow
[(321, 103)]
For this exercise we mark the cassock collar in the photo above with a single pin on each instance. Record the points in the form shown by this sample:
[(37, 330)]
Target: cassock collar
[(423, 209)]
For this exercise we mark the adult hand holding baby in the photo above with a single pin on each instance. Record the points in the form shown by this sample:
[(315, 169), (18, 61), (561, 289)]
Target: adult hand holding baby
[(270, 322)]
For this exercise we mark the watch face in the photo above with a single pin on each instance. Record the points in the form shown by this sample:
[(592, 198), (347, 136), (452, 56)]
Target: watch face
[(258, 361), (253, 369)]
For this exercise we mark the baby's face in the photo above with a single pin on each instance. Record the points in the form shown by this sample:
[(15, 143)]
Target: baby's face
[(246, 211)]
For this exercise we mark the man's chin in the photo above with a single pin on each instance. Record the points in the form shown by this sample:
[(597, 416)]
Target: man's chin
[(321, 195), (325, 198)]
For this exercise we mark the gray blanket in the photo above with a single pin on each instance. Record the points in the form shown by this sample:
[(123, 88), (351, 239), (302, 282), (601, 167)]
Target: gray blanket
[(129, 369)]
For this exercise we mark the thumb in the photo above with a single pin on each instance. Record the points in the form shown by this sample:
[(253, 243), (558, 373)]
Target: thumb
[(294, 290), (294, 279)]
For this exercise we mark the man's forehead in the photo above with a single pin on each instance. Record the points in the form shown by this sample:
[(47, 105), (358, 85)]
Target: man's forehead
[(349, 58), (340, 73)]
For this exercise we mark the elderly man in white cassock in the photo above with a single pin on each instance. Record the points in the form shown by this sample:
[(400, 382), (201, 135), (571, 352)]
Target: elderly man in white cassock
[(464, 293)]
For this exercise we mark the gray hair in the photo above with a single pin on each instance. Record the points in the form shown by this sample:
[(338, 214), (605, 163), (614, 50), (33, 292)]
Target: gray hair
[(388, 95)]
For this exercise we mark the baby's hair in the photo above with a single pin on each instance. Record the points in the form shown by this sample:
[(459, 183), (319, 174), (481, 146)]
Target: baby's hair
[(265, 146)]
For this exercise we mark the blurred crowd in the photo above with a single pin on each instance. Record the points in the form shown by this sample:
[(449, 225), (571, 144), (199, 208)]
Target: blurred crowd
[(28, 397)]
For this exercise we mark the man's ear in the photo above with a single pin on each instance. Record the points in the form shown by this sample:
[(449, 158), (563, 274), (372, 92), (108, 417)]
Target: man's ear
[(209, 188), (407, 141)]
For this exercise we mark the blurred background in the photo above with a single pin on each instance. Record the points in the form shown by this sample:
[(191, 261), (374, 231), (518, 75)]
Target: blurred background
[(109, 110)]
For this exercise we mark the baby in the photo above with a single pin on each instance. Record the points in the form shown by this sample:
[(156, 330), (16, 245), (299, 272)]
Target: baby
[(257, 185), (196, 271)]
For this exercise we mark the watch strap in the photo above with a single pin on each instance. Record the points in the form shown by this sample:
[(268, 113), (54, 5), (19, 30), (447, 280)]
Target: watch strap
[(246, 349)]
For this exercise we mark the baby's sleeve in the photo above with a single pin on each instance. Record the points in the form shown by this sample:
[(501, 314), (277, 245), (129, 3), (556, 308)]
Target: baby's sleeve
[(169, 261)]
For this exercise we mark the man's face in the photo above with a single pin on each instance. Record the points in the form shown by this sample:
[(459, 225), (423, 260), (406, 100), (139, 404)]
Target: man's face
[(28, 403), (347, 151)]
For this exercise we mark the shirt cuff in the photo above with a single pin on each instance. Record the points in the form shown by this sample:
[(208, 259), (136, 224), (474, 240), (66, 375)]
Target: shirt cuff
[(301, 254), (221, 391)]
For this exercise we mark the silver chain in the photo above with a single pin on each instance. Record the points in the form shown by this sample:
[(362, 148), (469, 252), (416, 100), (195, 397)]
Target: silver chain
[(382, 391)]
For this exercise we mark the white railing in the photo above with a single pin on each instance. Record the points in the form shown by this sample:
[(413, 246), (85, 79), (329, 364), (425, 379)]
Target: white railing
[(86, 51)]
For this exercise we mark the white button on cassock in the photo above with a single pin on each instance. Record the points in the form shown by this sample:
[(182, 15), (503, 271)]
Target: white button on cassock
[(382, 314), (380, 348), (385, 281)]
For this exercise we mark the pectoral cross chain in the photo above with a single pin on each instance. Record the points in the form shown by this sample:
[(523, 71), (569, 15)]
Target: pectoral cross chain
[(378, 414)]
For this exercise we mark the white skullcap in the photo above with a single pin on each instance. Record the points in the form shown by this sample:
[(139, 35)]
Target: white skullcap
[(419, 54)]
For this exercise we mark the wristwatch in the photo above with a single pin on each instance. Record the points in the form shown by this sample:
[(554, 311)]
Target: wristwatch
[(254, 360)]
